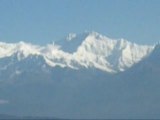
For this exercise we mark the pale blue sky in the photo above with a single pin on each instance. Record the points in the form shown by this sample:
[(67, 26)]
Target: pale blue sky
[(43, 21)]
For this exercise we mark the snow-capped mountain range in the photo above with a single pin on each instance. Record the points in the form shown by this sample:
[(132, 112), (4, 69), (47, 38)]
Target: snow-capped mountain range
[(85, 76), (87, 50)]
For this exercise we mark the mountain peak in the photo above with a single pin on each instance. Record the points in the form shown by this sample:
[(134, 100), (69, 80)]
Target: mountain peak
[(92, 33), (73, 41), (157, 45), (71, 36), (74, 36)]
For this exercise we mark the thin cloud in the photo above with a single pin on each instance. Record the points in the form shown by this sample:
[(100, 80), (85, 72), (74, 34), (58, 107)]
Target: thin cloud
[(3, 101)]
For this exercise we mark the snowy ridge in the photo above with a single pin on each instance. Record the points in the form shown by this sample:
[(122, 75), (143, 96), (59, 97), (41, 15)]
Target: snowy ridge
[(88, 50)]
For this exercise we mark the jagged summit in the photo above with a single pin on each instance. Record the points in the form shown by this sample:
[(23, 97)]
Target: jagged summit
[(87, 50)]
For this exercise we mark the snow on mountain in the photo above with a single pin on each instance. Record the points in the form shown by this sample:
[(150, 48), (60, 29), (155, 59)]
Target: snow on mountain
[(22, 49), (89, 50), (93, 49)]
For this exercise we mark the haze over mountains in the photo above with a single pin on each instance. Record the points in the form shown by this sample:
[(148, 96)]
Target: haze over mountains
[(82, 76)]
